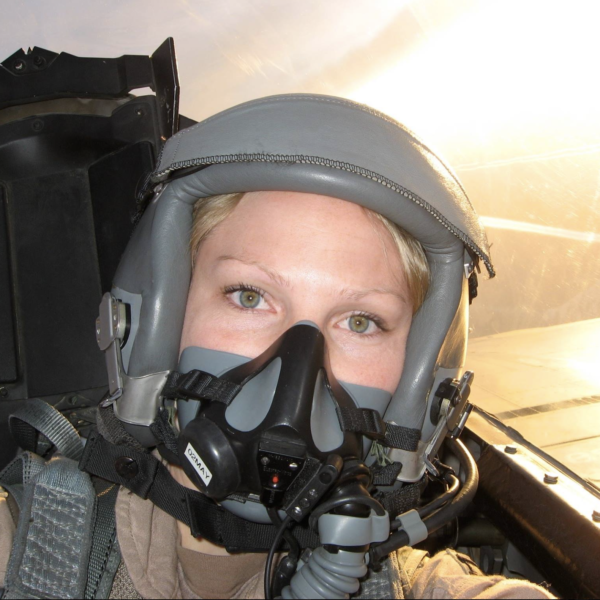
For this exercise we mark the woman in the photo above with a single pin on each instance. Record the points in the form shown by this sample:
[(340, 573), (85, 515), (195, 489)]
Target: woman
[(326, 256)]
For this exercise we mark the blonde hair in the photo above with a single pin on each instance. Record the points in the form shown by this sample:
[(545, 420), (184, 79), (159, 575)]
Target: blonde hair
[(209, 212)]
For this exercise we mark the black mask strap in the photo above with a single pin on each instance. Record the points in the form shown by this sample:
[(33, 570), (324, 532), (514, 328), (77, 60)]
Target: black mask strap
[(198, 385), (147, 477)]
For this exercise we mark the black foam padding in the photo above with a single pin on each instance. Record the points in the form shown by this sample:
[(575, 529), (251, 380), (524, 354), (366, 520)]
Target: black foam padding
[(69, 184), (58, 286), (8, 356)]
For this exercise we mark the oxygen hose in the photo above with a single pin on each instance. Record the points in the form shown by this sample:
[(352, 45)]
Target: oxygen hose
[(443, 515), (329, 572)]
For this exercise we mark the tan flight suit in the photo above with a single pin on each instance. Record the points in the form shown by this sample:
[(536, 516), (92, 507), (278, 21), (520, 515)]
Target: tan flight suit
[(155, 566)]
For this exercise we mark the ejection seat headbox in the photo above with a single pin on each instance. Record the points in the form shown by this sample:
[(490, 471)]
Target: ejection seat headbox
[(315, 144)]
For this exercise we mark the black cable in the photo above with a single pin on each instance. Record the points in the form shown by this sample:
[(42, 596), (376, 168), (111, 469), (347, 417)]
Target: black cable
[(451, 490), (270, 557), (467, 492), (288, 536), (446, 513), (442, 499)]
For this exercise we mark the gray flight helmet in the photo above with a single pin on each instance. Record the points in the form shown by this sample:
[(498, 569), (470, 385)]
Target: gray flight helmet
[(314, 144)]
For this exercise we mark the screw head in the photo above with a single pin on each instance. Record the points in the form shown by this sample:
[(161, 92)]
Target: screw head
[(550, 478), (596, 516), (19, 66), (3, 392), (126, 467), (264, 460), (510, 449)]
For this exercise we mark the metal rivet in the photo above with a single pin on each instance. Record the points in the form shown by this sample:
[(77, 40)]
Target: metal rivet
[(510, 449), (126, 467), (297, 510), (293, 465), (550, 478), (3, 391), (39, 61), (596, 516), (37, 125), (265, 460), (19, 65)]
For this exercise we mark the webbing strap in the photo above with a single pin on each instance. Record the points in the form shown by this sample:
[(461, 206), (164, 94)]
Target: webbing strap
[(362, 420), (401, 500), (20, 471), (198, 385), (51, 546), (403, 438), (105, 555), (164, 432), (148, 478), (387, 474), (35, 415)]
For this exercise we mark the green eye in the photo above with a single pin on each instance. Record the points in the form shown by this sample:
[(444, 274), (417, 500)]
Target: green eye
[(249, 299), (358, 324)]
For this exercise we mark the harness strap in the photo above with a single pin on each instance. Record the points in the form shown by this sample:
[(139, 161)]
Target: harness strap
[(148, 478), (387, 474), (198, 385), (105, 554), (403, 438), (19, 471), (401, 500), (36, 416), (369, 422), (362, 420), (53, 538), (65, 545), (163, 431)]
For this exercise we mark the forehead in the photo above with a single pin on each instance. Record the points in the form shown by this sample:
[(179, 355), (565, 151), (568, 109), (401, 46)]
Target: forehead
[(298, 233)]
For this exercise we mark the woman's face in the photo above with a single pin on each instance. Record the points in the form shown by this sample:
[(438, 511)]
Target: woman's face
[(284, 257)]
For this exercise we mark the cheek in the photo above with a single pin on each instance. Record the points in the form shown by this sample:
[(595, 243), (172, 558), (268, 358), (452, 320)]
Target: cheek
[(379, 367)]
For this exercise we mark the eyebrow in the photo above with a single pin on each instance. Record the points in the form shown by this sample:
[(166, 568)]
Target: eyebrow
[(350, 294), (273, 275), (346, 293)]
